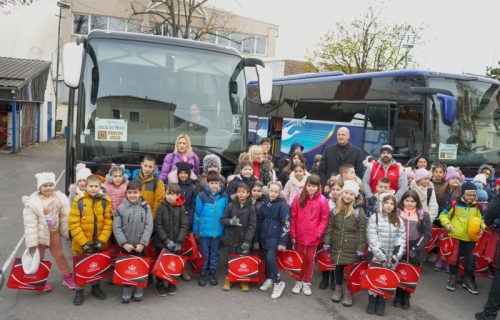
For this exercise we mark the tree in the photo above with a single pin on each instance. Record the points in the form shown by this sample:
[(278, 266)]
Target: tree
[(6, 4), (367, 44), (493, 72)]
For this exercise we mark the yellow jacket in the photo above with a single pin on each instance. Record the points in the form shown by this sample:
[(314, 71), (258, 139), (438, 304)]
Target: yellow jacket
[(93, 223), (153, 190)]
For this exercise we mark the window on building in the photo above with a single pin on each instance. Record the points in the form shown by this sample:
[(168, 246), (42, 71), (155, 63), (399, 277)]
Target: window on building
[(223, 38), (249, 44), (134, 116), (261, 45), (99, 22), (236, 39), (116, 114), (116, 24), (80, 24), (212, 38), (134, 26), (156, 28)]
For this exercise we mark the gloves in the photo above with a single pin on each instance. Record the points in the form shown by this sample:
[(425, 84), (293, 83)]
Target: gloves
[(414, 252), (359, 255), (245, 248), (327, 247), (235, 221), (86, 247), (281, 247), (170, 245), (256, 246), (98, 246), (177, 247)]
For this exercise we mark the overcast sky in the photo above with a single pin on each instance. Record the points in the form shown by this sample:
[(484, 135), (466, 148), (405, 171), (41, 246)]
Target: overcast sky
[(461, 36)]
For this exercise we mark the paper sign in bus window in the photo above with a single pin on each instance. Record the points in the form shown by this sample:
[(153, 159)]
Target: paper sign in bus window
[(111, 130), (448, 151)]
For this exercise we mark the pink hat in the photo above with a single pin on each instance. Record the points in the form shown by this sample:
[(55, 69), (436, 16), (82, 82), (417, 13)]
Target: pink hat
[(421, 173), (410, 175), (451, 173)]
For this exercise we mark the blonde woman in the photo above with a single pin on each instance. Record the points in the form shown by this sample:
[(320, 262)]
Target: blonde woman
[(262, 168), (182, 153)]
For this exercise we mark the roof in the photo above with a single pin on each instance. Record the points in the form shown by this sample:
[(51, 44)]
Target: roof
[(15, 73)]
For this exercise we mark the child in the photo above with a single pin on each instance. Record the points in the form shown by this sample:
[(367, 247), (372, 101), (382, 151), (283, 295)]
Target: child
[(315, 166), (308, 223), (90, 224), (239, 221), (425, 190), (456, 219), (153, 188), (386, 237), (346, 236), (210, 205), (246, 176), (410, 176), (438, 176), (373, 203), (78, 188), (348, 172), (450, 190), (45, 217), (132, 228), (116, 185), (170, 225), (211, 163), (273, 228), (296, 182), (257, 195), (418, 230)]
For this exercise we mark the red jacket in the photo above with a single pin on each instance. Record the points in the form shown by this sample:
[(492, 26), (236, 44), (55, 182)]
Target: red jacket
[(377, 172), (308, 224)]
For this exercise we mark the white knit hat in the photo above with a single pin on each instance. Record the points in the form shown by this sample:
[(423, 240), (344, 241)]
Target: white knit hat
[(480, 178), (352, 186), (43, 178), (83, 174)]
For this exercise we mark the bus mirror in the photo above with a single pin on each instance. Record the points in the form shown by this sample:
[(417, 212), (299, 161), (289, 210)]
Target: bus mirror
[(448, 105), (265, 80), (72, 64)]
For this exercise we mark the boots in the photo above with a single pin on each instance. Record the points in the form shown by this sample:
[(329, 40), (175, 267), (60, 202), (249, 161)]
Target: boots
[(202, 280), (380, 306), (212, 278), (325, 280), (398, 299), (406, 300), (185, 275), (245, 287), (97, 292), (78, 300), (337, 294), (227, 284), (470, 285), (372, 301), (347, 302), (127, 294)]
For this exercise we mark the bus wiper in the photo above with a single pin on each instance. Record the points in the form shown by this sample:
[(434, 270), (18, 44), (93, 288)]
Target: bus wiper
[(124, 155), (211, 150)]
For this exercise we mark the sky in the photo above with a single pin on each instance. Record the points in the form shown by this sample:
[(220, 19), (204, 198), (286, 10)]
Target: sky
[(460, 36)]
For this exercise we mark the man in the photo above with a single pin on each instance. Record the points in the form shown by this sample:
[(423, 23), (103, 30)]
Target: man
[(196, 116), (341, 153), (387, 167)]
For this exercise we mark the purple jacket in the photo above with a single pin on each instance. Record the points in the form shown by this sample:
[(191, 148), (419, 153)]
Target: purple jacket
[(172, 158)]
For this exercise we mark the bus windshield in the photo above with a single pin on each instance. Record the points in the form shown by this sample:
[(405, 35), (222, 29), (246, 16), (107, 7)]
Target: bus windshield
[(137, 97)]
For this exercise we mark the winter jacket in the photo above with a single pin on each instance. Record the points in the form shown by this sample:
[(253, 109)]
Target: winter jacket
[(294, 187), (171, 223), (402, 181), (36, 231), (153, 190), (133, 223), (308, 224), (209, 210), (171, 159), (346, 235), (437, 185), (385, 240), (423, 229), (429, 206), (235, 236), (459, 217), (233, 185), (93, 223), (273, 223), (493, 211), (116, 194), (189, 191), (335, 156)]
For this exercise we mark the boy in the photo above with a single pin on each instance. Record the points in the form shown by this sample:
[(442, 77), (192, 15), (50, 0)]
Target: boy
[(210, 205), (153, 188), (239, 221), (90, 225), (171, 224), (373, 204)]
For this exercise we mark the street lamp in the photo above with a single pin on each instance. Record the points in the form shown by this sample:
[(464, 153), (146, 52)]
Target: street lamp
[(62, 5), (408, 45)]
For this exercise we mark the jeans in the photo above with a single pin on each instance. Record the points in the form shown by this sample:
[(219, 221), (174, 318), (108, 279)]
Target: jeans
[(465, 249), (493, 303), (272, 271), (209, 248)]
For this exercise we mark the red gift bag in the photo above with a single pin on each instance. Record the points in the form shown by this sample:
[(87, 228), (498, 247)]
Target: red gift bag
[(290, 262), (487, 245), (437, 234), (91, 267), (324, 261), (243, 268), (408, 275), (189, 249), (197, 264), (354, 274), (132, 270), (19, 280), (481, 269), (168, 266), (445, 246), (383, 281)]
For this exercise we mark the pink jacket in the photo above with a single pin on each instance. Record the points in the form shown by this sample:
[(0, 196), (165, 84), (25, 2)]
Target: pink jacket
[(308, 224), (116, 194), (294, 187)]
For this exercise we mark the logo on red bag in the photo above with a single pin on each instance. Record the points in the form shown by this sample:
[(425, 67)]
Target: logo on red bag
[(94, 266), (382, 279), (403, 273), (172, 265), (289, 261), (132, 270), (243, 268)]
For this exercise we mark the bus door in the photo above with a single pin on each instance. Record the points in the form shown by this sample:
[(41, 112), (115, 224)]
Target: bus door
[(378, 126), (408, 137)]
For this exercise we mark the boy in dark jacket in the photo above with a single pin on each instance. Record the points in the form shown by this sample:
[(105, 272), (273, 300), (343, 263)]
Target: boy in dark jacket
[(239, 221), (170, 225)]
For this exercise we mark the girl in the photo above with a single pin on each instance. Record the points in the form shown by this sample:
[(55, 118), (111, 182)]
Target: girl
[(257, 195), (79, 187), (45, 216), (183, 152), (346, 236), (386, 237), (418, 231), (296, 183), (309, 221), (296, 158), (315, 166), (116, 185), (450, 190), (246, 176), (262, 168), (272, 233), (348, 172), (438, 176), (421, 163), (132, 228), (425, 190)]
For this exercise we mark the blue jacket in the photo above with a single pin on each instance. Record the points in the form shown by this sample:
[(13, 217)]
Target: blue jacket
[(208, 212), (273, 223)]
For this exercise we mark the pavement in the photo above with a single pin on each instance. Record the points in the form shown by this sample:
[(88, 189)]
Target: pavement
[(430, 301)]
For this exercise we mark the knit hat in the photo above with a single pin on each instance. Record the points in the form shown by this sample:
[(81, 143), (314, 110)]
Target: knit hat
[(468, 186), (410, 175), (352, 186), (44, 177), (211, 160), (421, 173), (184, 167), (387, 147), (480, 178), (451, 173), (83, 174), (482, 195)]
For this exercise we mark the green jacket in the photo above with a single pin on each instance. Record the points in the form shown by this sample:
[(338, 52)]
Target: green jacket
[(459, 217)]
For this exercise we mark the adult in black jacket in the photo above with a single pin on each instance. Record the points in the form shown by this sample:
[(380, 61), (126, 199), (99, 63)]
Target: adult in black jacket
[(339, 154)]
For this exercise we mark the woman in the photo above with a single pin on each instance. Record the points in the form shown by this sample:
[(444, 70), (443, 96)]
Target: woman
[(182, 153), (263, 169)]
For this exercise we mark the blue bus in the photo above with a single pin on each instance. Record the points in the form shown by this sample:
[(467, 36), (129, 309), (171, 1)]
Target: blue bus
[(449, 118)]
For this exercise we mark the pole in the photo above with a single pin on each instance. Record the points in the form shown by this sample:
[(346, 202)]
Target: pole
[(70, 166), (57, 67)]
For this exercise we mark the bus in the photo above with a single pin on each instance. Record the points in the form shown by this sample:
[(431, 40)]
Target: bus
[(448, 118), (135, 93)]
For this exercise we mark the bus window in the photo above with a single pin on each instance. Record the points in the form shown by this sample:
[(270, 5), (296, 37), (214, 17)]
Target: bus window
[(379, 122), (408, 136)]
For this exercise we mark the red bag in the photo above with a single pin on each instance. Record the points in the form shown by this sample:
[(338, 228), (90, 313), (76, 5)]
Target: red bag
[(445, 246), (324, 261), (132, 271), (437, 234), (481, 269), (245, 268), (19, 280), (290, 262), (354, 274), (383, 281), (168, 266), (91, 267), (487, 245), (197, 264), (189, 249), (408, 275)]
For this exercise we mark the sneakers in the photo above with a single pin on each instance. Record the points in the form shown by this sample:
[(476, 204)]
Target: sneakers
[(212, 278), (438, 265), (69, 282), (227, 284), (452, 283), (245, 287), (171, 289), (297, 287), (306, 289), (202, 280), (337, 294), (160, 289), (97, 292), (47, 287), (78, 299), (470, 285), (138, 294), (278, 289), (266, 285), (127, 294)]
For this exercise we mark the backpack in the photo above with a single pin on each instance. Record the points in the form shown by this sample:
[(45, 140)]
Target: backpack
[(80, 205)]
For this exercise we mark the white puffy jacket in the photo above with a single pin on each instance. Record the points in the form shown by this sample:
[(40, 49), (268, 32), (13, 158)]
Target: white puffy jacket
[(432, 208), (383, 238)]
